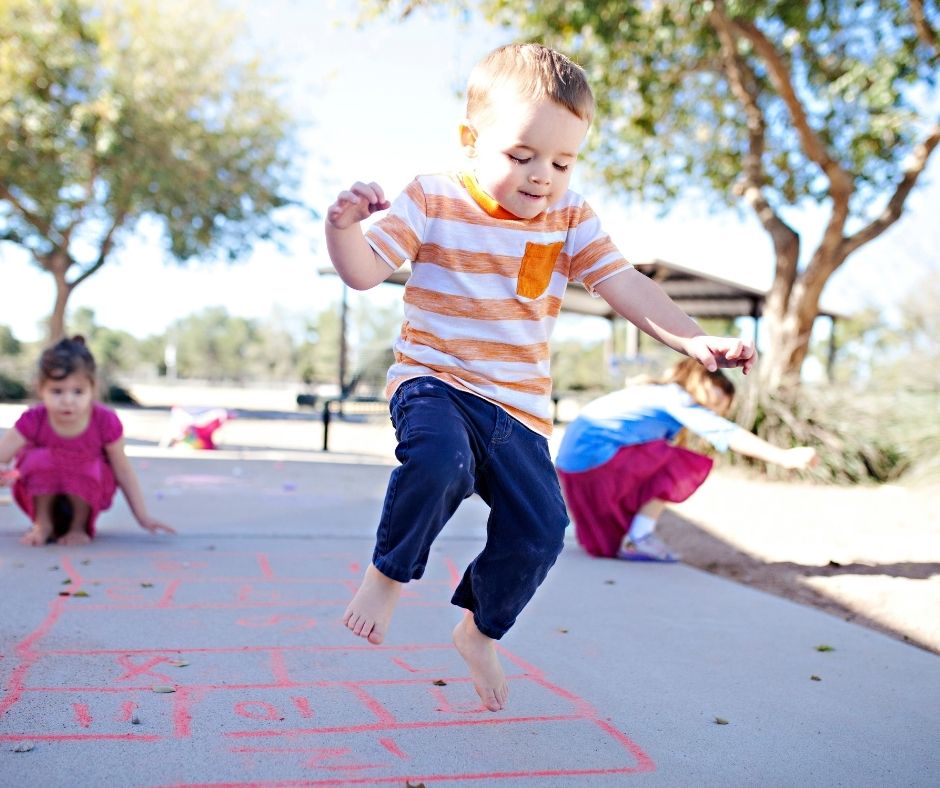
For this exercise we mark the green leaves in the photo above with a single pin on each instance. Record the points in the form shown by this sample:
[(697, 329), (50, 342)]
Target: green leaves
[(111, 110)]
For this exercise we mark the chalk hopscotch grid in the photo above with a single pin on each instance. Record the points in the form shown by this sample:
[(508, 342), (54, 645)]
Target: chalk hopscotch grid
[(287, 717)]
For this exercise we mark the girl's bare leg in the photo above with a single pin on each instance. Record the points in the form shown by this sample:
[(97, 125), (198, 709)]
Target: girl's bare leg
[(78, 528), (370, 611), (479, 652), (41, 530)]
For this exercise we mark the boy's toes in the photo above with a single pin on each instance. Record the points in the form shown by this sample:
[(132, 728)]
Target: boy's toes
[(491, 700)]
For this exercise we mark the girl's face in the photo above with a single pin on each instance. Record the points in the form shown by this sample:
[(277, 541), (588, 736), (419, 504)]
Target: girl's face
[(68, 400)]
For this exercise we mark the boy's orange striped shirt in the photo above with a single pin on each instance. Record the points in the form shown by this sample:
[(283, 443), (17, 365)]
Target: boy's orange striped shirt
[(486, 288)]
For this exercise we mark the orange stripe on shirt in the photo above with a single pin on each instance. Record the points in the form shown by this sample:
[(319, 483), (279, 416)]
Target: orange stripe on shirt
[(477, 350), (537, 386), (480, 262), (401, 234), (482, 308), (591, 254)]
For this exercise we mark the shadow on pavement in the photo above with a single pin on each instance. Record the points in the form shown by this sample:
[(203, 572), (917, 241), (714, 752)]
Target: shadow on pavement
[(705, 551)]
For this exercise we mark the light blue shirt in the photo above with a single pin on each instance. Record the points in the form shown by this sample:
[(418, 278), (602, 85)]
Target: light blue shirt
[(637, 414)]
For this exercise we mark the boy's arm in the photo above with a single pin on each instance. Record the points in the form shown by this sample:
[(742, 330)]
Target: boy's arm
[(645, 304), (355, 261)]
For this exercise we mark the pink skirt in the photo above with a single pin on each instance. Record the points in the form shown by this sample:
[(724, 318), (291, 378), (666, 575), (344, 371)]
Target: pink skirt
[(45, 471), (603, 500)]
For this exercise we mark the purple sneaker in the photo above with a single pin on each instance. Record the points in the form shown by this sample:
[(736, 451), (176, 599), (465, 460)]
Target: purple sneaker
[(646, 548)]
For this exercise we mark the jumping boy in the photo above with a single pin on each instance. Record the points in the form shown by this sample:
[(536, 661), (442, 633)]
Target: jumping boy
[(492, 249)]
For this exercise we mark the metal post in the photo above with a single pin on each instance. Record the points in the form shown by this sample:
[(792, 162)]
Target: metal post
[(343, 310), (326, 425)]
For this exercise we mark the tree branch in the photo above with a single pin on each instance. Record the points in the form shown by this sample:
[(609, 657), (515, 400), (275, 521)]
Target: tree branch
[(924, 31), (12, 236), (840, 182), (42, 226), (895, 207), (78, 208), (744, 85), (107, 244)]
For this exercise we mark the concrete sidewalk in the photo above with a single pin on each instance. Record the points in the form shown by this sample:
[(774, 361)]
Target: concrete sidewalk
[(618, 672)]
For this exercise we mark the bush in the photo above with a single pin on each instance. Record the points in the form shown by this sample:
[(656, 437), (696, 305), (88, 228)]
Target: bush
[(860, 437), (12, 389), (118, 395)]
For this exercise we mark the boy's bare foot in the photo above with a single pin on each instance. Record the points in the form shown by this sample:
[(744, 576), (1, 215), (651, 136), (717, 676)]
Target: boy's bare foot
[(73, 538), (370, 611), (479, 652), (38, 535)]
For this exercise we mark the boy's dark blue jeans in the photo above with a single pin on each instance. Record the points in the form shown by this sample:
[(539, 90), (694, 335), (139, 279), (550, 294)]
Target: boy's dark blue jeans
[(450, 445)]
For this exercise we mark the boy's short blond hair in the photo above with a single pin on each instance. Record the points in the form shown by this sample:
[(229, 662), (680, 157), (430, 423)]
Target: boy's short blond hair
[(536, 72)]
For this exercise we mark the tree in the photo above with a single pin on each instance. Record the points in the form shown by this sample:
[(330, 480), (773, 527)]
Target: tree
[(780, 104), (9, 344), (114, 350), (212, 345), (112, 111)]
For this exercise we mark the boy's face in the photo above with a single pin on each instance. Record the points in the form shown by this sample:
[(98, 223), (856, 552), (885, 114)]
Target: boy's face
[(523, 151)]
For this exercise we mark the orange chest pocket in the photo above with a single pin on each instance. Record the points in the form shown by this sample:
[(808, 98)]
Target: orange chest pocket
[(535, 273)]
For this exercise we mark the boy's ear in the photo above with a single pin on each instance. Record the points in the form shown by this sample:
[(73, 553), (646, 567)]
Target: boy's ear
[(468, 138)]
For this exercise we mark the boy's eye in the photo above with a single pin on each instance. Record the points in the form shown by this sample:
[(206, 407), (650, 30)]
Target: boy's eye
[(517, 159), (562, 167)]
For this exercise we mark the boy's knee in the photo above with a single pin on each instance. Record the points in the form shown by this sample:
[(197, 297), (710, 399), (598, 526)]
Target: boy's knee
[(443, 466)]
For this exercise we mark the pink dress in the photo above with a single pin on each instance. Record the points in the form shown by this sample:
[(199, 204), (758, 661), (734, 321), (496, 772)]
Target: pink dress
[(51, 464), (604, 500)]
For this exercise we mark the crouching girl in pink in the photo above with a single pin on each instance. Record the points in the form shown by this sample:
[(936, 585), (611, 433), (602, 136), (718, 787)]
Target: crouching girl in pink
[(69, 453)]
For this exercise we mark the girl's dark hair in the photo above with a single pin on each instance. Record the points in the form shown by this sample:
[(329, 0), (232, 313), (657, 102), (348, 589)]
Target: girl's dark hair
[(64, 358)]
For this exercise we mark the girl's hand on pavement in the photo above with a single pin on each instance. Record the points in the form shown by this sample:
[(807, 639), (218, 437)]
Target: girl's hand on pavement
[(152, 525)]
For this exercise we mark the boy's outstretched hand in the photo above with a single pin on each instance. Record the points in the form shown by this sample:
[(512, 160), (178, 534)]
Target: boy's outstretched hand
[(358, 202), (722, 352)]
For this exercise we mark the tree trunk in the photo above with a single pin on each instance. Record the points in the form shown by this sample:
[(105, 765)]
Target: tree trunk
[(788, 334), (58, 264), (789, 317)]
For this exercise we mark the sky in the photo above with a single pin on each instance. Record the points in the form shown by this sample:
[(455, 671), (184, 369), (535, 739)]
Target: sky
[(381, 103)]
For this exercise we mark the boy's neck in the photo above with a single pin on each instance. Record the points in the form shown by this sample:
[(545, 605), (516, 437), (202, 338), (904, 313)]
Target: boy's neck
[(483, 199)]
